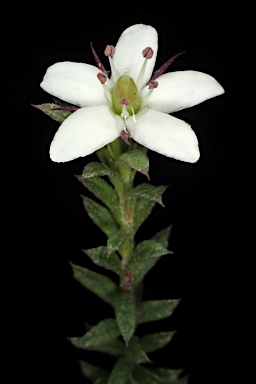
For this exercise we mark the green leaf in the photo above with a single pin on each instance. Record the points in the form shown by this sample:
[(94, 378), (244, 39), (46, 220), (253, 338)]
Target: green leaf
[(144, 375), (154, 341), (168, 376), (115, 240), (125, 311), (100, 216), (136, 160), (147, 249), (162, 236), (115, 348), (100, 285), (104, 192), (142, 210), (135, 353), (90, 371), (141, 269), (149, 192), (120, 372), (55, 114), (152, 310), (105, 331), (102, 380), (100, 256), (97, 169)]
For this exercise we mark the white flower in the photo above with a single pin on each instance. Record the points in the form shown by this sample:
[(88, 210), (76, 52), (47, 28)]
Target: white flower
[(130, 99)]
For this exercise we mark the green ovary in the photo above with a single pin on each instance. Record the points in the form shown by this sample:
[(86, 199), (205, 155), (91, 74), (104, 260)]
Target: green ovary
[(125, 88)]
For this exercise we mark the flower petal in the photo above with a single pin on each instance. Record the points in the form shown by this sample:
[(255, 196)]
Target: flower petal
[(182, 89), (164, 134), (76, 83), (83, 132), (128, 51)]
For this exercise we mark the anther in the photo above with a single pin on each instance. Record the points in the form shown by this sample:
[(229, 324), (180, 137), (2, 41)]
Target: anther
[(152, 84), (147, 53), (102, 78), (109, 51)]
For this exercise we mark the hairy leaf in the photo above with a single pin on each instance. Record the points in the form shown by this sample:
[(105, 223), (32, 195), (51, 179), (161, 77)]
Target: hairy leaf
[(125, 311), (135, 159), (147, 249), (152, 310), (154, 341), (106, 330), (90, 371), (53, 111), (135, 353), (101, 216), (100, 256), (121, 372), (149, 192), (100, 285), (104, 192)]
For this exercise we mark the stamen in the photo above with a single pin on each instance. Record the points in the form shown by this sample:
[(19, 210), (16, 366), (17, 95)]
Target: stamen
[(152, 84), (109, 52), (124, 113), (102, 78), (147, 53)]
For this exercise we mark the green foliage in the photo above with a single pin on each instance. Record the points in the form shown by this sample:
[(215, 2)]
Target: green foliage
[(97, 169), (100, 256), (53, 111), (135, 353), (147, 249), (100, 285), (90, 371), (104, 192), (121, 372), (168, 376), (135, 159), (105, 331), (149, 192), (154, 341), (125, 311), (153, 310), (123, 210), (101, 216)]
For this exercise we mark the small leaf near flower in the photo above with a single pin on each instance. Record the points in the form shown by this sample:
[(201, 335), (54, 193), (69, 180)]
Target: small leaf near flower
[(53, 111), (135, 159)]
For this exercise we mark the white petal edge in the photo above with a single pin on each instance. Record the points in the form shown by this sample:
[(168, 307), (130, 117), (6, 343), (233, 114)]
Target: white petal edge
[(83, 132), (128, 51), (182, 89), (76, 83), (165, 134)]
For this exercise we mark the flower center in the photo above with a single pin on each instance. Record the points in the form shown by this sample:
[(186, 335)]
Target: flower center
[(125, 93)]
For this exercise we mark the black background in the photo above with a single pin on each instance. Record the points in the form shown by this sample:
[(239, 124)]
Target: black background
[(49, 227)]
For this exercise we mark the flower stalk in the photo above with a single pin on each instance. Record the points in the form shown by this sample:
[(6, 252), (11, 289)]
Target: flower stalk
[(120, 116)]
